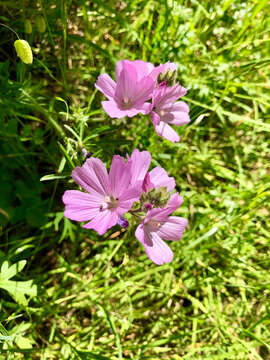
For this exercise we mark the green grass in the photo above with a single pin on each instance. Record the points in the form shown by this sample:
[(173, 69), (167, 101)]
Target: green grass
[(95, 297)]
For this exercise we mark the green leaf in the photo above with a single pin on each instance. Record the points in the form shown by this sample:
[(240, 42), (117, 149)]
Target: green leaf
[(17, 289)]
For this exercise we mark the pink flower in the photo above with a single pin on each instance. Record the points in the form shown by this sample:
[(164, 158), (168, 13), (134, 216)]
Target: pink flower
[(108, 196), (165, 111), (158, 225), (133, 87)]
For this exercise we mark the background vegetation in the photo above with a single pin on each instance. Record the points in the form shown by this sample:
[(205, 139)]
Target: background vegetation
[(67, 293)]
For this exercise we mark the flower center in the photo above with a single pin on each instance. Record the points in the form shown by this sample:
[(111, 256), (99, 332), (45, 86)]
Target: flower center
[(126, 103), (162, 112), (154, 223), (111, 202)]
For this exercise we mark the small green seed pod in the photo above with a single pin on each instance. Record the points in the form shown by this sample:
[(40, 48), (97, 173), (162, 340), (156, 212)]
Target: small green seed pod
[(27, 26), (24, 51), (40, 24)]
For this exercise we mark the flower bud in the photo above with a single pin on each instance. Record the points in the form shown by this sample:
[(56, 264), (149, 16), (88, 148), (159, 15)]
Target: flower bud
[(86, 154), (123, 222), (40, 24), (27, 26), (24, 51), (169, 78)]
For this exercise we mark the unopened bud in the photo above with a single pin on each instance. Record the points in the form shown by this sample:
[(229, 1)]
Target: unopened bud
[(24, 51), (123, 222), (169, 78), (148, 206), (27, 26), (40, 24), (86, 154)]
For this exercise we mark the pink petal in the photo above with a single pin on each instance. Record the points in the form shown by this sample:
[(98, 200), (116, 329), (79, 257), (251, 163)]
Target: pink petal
[(142, 91), (103, 221), (127, 199), (164, 95), (163, 129), (144, 108), (175, 201), (155, 118), (143, 68), (161, 214), (156, 249), (173, 228), (147, 185), (159, 177), (106, 85), (119, 175), (140, 162), (80, 206), (93, 177), (181, 106), (126, 83), (113, 110)]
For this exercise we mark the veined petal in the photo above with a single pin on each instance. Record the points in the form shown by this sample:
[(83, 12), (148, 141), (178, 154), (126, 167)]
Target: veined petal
[(80, 206), (173, 228), (103, 221), (143, 68), (140, 162), (142, 91), (92, 177), (106, 85), (155, 118), (164, 95), (161, 214), (127, 199), (126, 84), (166, 131), (144, 108), (119, 175), (113, 110), (156, 249)]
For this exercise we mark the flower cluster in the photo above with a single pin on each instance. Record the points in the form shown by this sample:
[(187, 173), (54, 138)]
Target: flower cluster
[(137, 83), (128, 188)]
